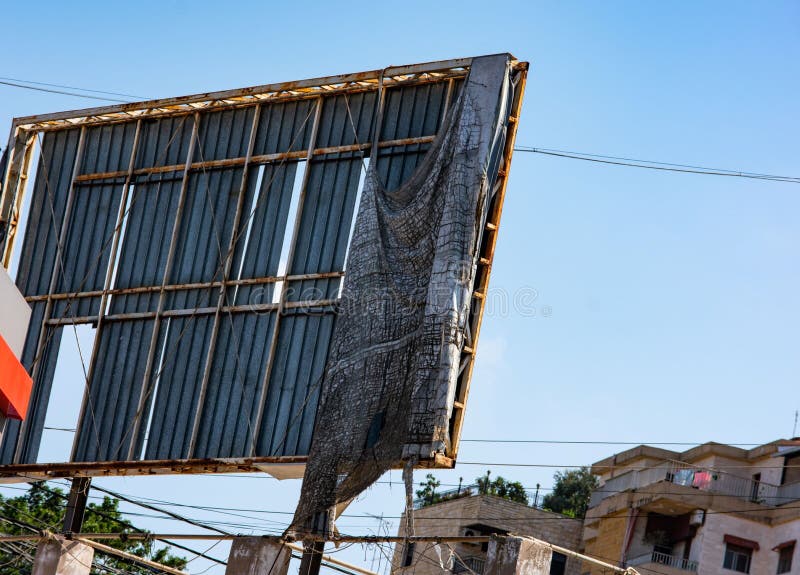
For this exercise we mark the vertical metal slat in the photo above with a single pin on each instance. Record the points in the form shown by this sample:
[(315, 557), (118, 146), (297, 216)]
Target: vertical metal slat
[(223, 287), (262, 396), (161, 296)]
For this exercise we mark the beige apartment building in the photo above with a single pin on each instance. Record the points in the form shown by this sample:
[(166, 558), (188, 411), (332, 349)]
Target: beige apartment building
[(714, 509), (474, 514)]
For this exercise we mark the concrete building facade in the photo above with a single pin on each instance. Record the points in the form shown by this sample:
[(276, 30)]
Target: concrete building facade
[(481, 515), (714, 509)]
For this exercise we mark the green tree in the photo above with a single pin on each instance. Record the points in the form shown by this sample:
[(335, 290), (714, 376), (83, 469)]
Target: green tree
[(428, 492), (571, 492), (44, 508), (502, 487)]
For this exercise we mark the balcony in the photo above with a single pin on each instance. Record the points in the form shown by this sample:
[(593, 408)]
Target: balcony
[(704, 479), (654, 560), (471, 565)]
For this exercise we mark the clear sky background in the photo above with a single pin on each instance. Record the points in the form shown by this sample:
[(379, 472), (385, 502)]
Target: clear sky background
[(673, 300)]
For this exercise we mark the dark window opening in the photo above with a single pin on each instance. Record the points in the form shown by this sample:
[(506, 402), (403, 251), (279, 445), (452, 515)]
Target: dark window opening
[(785, 555), (737, 558)]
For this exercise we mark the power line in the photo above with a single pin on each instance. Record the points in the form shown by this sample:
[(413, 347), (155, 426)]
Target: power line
[(74, 88), (655, 165), (51, 91), (130, 525)]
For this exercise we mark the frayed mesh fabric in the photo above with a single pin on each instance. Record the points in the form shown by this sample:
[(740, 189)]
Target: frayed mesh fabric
[(389, 384)]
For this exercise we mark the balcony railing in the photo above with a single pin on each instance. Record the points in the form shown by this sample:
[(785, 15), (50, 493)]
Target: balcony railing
[(469, 565), (704, 479), (664, 559)]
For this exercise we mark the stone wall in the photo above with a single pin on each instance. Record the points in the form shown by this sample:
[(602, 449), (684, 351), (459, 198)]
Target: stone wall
[(451, 518)]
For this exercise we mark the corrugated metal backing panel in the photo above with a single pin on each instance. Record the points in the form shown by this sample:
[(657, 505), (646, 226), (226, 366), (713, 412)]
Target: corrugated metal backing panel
[(229, 410), (262, 249), (181, 358), (115, 386), (252, 403)]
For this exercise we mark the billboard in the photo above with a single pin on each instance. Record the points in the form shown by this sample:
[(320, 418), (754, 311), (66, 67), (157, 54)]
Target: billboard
[(206, 239)]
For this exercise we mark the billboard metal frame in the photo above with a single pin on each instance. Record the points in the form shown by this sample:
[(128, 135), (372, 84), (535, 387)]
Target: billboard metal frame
[(24, 135)]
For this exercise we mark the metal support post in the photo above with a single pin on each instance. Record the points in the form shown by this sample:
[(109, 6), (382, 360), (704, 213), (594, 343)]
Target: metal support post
[(76, 504)]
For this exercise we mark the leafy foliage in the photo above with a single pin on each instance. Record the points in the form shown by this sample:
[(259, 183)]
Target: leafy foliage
[(44, 508), (502, 487), (428, 492), (571, 492)]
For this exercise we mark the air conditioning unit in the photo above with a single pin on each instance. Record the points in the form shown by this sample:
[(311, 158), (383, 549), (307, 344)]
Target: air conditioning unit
[(470, 533), (697, 517)]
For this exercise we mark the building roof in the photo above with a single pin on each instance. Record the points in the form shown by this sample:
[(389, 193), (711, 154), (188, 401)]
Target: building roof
[(778, 447)]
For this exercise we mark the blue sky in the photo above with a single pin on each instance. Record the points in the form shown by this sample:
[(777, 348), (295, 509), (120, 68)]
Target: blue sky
[(673, 299)]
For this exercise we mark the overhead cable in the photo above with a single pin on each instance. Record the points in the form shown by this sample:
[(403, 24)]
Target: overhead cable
[(653, 165)]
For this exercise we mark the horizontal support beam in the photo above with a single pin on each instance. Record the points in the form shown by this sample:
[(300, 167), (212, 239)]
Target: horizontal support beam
[(272, 538), (25, 472), (347, 83), (314, 307), (255, 160), (186, 286), (129, 556)]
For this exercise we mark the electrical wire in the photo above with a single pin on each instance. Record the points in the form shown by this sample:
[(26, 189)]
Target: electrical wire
[(63, 92), (651, 165), (74, 88), (129, 525)]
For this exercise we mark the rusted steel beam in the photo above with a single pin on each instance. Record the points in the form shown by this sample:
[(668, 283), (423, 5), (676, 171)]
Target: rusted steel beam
[(432, 71), (316, 305), (273, 538), (187, 286), (486, 256), (22, 472), (21, 145), (114, 552), (254, 160), (38, 471)]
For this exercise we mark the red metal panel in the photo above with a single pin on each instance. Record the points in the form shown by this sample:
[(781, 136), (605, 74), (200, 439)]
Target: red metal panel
[(15, 384)]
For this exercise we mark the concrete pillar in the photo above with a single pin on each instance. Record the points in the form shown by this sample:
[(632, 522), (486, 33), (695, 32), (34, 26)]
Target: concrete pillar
[(258, 556), (60, 556), (517, 556)]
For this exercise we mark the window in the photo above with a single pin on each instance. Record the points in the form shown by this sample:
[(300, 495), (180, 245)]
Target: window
[(737, 558), (785, 555)]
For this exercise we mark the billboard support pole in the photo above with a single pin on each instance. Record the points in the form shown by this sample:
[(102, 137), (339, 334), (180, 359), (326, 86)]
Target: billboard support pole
[(311, 561), (76, 504)]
